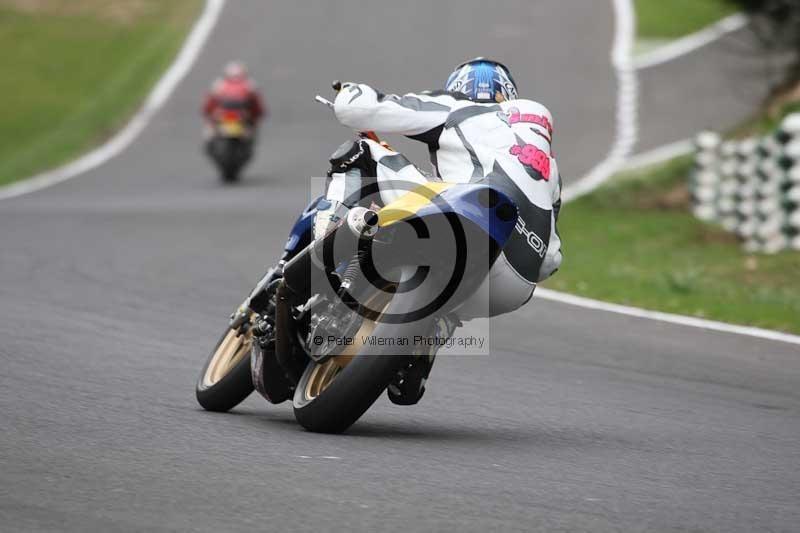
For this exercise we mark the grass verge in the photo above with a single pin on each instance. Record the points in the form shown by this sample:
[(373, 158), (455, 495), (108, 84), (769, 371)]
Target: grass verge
[(634, 242), (670, 19), (74, 72)]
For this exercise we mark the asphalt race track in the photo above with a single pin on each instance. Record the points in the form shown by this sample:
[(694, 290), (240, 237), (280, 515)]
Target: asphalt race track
[(736, 76), (114, 286)]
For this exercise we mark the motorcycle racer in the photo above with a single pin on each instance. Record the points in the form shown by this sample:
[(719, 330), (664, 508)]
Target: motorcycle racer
[(476, 130), (232, 111), (235, 88)]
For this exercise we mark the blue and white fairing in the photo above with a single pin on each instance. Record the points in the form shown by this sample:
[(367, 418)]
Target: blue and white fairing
[(303, 228), (486, 207)]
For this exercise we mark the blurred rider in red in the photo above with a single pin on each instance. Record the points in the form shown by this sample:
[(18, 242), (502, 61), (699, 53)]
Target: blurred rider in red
[(234, 90)]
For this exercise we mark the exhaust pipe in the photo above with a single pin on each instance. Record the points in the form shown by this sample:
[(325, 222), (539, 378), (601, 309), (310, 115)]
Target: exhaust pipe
[(307, 268), (363, 222)]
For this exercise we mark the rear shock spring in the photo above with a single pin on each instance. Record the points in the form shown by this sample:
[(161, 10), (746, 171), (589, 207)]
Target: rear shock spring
[(352, 272)]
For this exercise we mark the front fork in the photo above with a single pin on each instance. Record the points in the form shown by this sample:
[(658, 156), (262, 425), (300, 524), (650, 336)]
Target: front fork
[(299, 237)]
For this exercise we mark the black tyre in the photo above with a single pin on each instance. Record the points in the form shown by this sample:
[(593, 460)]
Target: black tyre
[(225, 380), (230, 173), (331, 396), (231, 155)]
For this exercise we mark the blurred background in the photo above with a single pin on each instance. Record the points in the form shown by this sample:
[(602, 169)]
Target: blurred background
[(80, 69), (115, 284)]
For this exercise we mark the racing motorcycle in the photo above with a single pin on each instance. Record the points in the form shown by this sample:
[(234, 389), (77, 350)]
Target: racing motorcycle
[(231, 142), (335, 322)]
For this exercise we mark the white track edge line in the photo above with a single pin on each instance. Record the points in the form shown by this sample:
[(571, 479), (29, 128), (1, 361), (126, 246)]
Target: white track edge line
[(658, 155), (155, 101), (660, 316), (617, 159), (690, 43), (626, 104), (626, 138)]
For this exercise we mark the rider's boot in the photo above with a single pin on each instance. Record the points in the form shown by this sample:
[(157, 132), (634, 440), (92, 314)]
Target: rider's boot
[(409, 385)]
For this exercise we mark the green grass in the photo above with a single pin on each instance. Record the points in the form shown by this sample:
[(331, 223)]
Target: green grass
[(634, 242), (766, 121), (72, 76), (669, 19)]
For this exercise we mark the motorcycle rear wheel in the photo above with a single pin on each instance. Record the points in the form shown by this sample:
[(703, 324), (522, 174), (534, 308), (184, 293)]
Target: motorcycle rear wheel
[(330, 397)]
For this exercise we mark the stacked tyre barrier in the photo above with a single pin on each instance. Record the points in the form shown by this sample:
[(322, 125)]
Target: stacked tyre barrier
[(751, 187)]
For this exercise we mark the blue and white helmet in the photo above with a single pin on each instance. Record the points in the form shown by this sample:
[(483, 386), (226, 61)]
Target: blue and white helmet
[(483, 80)]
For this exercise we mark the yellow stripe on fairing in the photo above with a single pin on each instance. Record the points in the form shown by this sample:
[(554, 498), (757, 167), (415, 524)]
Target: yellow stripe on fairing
[(410, 203)]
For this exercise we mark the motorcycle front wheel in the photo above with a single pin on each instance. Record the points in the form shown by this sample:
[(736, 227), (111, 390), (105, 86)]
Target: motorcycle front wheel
[(229, 174), (230, 154), (226, 380)]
